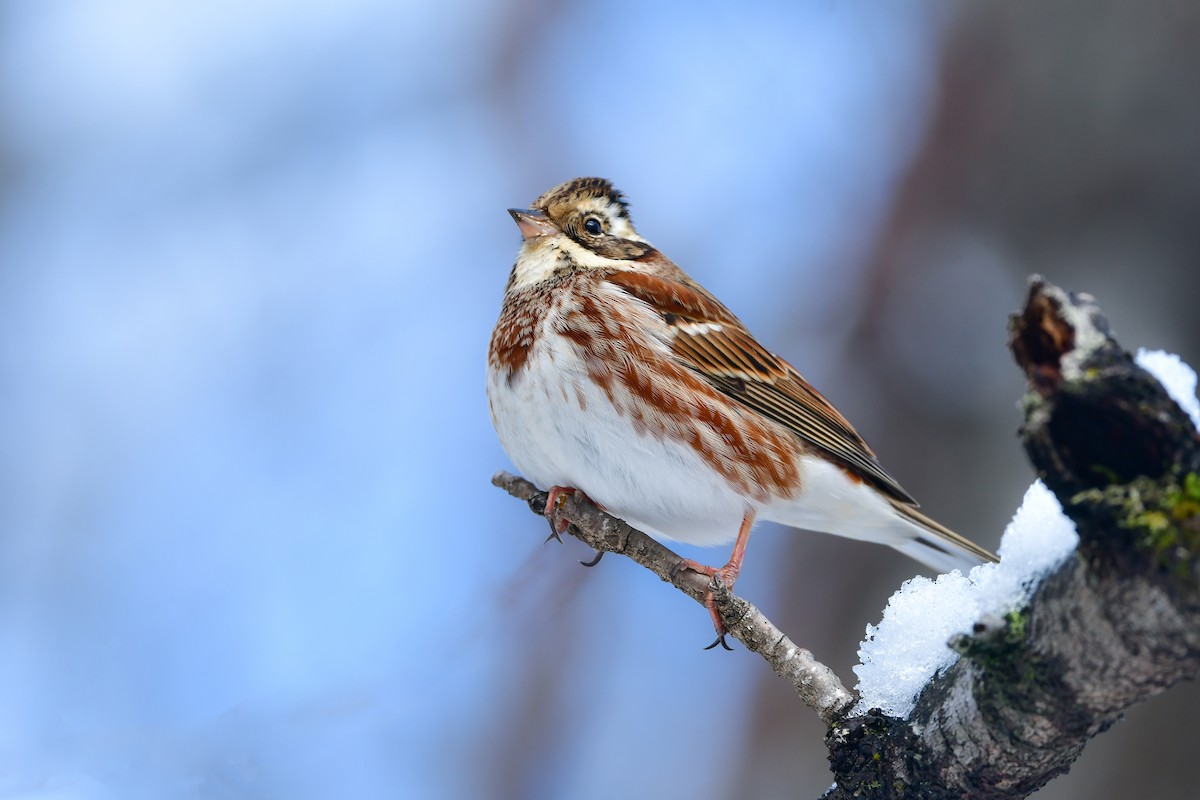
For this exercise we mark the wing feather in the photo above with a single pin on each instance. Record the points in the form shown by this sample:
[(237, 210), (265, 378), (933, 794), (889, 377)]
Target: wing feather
[(709, 339)]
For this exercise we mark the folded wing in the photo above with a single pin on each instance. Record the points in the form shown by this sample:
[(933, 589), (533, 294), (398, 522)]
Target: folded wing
[(713, 342)]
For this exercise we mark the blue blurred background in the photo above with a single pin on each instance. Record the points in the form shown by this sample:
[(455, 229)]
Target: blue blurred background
[(250, 257)]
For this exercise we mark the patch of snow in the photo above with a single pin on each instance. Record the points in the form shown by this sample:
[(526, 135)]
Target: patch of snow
[(908, 646), (1176, 377)]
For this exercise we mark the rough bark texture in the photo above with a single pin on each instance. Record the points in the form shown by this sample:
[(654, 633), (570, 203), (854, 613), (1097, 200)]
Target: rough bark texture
[(1114, 625)]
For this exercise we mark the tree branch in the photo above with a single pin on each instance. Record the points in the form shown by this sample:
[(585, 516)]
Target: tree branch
[(814, 682), (1112, 626), (1115, 625)]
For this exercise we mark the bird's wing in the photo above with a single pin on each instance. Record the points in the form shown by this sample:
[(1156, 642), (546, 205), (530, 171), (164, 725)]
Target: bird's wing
[(710, 340)]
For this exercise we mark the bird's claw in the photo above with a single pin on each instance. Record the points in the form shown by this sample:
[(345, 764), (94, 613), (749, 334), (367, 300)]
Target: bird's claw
[(595, 559), (554, 500), (720, 640)]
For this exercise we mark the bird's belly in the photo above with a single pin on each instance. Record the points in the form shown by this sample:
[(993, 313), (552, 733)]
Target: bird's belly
[(560, 429), (833, 502)]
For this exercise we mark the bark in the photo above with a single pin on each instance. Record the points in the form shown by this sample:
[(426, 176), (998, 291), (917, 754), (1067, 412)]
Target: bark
[(815, 683), (1112, 626)]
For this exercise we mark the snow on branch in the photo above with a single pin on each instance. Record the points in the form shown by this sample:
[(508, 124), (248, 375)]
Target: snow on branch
[(988, 685), (1107, 626)]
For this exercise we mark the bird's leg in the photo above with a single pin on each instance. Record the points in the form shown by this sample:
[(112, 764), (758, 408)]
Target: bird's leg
[(554, 500), (555, 497), (729, 575)]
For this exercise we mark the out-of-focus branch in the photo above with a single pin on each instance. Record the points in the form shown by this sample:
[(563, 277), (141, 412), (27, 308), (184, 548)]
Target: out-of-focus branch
[(814, 682)]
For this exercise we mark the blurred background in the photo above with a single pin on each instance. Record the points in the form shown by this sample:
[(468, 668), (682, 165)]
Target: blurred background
[(250, 257)]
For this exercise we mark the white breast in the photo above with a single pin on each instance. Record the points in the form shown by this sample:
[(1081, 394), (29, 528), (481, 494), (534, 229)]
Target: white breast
[(560, 429)]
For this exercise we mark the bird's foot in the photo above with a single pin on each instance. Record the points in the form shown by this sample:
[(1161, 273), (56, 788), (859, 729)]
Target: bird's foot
[(555, 497), (728, 575)]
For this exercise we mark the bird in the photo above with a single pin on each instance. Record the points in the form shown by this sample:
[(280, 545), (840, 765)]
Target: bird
[(612, 373)]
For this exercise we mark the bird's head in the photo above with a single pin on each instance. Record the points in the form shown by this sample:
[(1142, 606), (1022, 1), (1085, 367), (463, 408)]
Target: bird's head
[(578, 225)]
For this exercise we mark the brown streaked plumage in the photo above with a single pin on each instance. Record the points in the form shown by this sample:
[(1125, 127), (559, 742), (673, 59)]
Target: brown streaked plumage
[(613, 372)]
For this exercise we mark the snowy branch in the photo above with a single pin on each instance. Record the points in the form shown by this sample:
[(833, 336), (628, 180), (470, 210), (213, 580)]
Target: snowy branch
[(1116, 623), (1056, 644), (814, 682)]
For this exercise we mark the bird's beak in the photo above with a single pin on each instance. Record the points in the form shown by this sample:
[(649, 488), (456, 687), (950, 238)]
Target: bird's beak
[(533, 222)]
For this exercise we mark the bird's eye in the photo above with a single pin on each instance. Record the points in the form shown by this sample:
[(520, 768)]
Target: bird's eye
[(592, 226)]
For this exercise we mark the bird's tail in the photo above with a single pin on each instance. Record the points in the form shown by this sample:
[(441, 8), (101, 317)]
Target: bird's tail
[(937, 546)]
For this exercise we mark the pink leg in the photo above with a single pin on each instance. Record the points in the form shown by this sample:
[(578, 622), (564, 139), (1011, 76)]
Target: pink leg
[(729, 575), (555, 497), (554, 500)]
